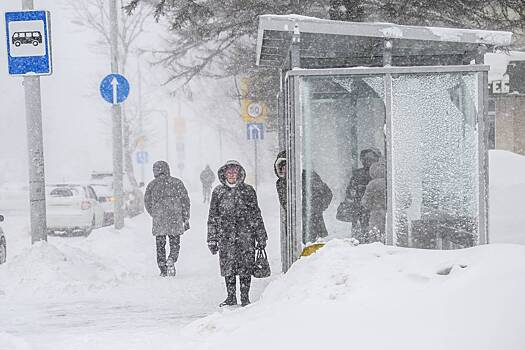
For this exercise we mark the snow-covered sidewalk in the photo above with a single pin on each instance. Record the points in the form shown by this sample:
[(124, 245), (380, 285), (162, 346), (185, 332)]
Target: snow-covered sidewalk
[(104, 291)]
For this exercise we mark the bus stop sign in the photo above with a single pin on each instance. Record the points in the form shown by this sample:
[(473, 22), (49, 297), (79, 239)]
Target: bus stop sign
[(28, 43)]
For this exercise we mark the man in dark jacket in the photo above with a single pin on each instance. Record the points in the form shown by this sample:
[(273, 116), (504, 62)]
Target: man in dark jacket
[(207, 178), (316, 199), (359, 215), (235, 227), (166, 200)]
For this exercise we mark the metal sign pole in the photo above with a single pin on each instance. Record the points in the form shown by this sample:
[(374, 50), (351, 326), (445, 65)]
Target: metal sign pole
[(116, 110), (167, 138), (141, 125), (255, 148), (37, 197)]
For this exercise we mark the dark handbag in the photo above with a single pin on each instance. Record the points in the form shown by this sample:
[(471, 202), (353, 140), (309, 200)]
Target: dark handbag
[(346, 211), (261, 266)]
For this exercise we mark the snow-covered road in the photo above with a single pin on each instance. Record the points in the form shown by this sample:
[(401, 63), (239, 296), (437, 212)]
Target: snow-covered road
[(104, 292)]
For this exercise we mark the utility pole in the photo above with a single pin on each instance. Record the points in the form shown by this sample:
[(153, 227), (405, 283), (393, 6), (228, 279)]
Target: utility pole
[(35, 145), (141, 123), (116, 112)]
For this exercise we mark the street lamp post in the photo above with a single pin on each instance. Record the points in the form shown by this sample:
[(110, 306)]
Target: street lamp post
[(116, 110)]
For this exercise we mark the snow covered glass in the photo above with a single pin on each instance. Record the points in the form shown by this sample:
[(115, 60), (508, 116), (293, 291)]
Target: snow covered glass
[(342, 116), (435, 176), (425, 144)]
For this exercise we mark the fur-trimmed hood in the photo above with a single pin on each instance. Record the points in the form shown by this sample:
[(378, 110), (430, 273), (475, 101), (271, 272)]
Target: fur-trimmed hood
[(222, 176), (377, 170), (281, 156)]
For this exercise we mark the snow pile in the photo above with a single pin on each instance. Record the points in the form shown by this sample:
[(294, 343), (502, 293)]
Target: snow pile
[(506, 168), (48, 270), (11, 342), (507, 195), (379, 297), (76, 265)]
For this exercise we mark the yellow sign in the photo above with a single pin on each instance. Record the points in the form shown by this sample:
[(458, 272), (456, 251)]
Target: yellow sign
[(140, 141), (251, 111)]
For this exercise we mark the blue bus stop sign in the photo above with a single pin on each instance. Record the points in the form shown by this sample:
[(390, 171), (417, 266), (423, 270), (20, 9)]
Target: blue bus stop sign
[(114, 88), (28, 43)]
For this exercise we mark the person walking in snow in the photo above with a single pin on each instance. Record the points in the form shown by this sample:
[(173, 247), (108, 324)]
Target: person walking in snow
[(167, 201), (235, 230), (207, 179), (318, 197)]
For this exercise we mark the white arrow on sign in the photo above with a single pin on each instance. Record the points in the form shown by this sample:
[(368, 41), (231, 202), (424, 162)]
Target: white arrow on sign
[(114, 84), (254, 131)]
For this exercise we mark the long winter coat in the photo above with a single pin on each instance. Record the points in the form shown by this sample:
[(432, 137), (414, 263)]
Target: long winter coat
[(235, 223), (321, 197), (354, 193), (374, 200), (166, 200)]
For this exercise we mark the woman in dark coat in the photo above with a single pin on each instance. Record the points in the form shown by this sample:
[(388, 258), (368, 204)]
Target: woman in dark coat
[(235, 226)]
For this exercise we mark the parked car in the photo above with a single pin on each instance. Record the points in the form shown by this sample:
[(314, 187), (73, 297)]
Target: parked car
[(3, 244), (134, 202), (133, 196), (72, 209), (105, 197)]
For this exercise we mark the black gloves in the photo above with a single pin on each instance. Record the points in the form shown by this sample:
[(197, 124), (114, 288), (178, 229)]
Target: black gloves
[(213, 247)]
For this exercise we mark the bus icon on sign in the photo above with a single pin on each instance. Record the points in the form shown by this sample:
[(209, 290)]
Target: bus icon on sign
[(27, 38)]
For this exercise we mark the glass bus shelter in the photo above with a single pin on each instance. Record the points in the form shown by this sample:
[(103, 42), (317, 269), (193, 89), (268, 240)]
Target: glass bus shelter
[(414, 96)]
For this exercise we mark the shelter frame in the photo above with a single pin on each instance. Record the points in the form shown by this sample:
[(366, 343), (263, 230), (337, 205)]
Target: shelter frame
[(293, 142)]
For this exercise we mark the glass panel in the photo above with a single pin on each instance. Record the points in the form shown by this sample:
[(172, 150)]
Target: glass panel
[(342, 117), (435, 160)]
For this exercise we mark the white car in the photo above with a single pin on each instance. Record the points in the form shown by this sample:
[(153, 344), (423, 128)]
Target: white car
[(73, 208), (105, 197), (3, 244)]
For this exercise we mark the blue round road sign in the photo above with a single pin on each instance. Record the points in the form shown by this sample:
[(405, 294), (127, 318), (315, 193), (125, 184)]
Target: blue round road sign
[(114, 88)]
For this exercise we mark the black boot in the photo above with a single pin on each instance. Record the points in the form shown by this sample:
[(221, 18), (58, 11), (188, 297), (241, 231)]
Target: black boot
[(245, 289), (163, 271), (230, 289)]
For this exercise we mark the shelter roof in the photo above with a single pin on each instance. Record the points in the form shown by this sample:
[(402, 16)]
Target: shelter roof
[(331, 44)]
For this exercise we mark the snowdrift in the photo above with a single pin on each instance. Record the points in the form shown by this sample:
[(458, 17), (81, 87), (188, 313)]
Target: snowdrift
[(507, 196), (380, 297), (46, 269), (11, 342), (75, 266)]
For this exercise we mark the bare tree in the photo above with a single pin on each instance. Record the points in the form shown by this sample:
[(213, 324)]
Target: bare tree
[(94, 15)]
